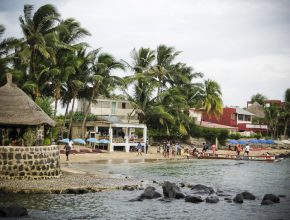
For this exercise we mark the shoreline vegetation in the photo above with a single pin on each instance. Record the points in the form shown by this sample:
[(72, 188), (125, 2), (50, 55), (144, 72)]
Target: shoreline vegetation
[(73, 181)]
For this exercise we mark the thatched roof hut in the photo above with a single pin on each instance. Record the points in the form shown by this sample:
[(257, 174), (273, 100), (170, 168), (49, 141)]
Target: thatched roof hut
[(257, 109), (17, 108)]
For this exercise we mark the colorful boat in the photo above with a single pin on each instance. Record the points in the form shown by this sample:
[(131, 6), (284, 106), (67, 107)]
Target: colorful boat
[(233, 157)]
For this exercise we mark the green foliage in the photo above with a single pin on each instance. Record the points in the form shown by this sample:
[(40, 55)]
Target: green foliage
[(210, 134), (79, 117), (235, 136), (29, 137), (45, 104), (258, 136), (46, 141)]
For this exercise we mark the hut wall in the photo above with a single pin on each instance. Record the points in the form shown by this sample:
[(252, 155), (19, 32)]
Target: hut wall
[(41, 162)]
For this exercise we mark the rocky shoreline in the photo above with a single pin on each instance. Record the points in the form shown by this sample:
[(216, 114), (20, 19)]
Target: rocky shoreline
[(68, 183)]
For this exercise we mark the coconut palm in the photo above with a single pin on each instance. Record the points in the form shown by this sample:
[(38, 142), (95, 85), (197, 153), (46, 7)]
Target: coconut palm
[(101, 80), (208, 97), (259, 98), (286, 111), (38, 28)]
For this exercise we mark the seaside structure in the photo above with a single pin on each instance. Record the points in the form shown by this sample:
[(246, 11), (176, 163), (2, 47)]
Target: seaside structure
[(233, 119), (18, 112), (116, 122)]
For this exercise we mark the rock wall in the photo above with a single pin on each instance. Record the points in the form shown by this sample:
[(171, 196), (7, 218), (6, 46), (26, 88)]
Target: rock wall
[(41, 162)]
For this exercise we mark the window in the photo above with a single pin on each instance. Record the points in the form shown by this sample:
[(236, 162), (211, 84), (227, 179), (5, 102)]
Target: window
[(114, 106), (123, 105), (241, 117), (247, 118)]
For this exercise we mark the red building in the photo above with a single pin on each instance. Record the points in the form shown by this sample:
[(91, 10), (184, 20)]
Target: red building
[(235, 117)]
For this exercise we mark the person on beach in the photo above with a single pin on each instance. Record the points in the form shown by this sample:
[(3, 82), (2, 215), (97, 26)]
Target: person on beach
[(139, 148), (146, 146), (158, 149), (213, 148), (167, 149), (67, 149), (238, 149), (177, 149), (247, 150)]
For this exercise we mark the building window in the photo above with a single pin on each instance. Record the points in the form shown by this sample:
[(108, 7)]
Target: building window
[(247, 118), (123, 105), (241, 117)]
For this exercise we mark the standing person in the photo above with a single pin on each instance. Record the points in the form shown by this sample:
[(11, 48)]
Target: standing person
[(146, 147), (177, 148), (247, 149), (139, 148), (67, 149), (167, 149), (238, 149), (213, 148)]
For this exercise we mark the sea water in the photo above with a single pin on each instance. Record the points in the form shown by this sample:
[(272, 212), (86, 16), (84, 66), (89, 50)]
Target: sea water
[(226, 176)]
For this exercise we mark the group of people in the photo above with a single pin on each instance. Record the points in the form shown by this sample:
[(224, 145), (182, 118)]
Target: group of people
[(168, 147), (239, 148)]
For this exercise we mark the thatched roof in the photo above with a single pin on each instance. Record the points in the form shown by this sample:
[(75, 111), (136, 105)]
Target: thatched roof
[(17, 108), (257, 109)]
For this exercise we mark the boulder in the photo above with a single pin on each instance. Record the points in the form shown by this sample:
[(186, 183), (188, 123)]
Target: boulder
[(149, 193), (171, 190), (193, 199), (129, 188), (248, 196), (202, 189), (238, 198), (266, 202), (13, 211), (272, 198), (212, 199)]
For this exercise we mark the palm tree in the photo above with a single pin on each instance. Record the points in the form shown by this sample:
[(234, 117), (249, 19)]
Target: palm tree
[(69, 32), (286, 111), (209, 98), (259, 98), (101, 81), (38, 28)]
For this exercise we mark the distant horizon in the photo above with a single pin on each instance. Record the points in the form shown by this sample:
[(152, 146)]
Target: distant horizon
[(243, 45)]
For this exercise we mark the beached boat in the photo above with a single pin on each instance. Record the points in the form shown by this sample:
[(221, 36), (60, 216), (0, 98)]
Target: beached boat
[(233, 157)]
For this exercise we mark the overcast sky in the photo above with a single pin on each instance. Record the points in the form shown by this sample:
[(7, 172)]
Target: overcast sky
[(242, 44)]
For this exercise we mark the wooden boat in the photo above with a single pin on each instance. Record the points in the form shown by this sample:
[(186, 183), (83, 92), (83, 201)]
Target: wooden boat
[(233, 157)]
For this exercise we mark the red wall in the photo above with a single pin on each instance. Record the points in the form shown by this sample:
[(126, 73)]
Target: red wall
[(225, 118)]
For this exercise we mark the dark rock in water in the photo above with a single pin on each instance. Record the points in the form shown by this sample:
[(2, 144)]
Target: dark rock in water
[(13, 211), (182, 184), (76, 191), (155, 182), (239, 163), (282, 196), (228, 199), (282, 155), (238, 198), (149, 193), (193, 199), (202, 189), (248, 196), (171, 190), (266, 202), (212, 199), (129, 188), (272, 198)]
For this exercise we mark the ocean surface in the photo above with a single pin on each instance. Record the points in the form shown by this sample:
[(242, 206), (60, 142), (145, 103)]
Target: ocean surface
[(226, 176)]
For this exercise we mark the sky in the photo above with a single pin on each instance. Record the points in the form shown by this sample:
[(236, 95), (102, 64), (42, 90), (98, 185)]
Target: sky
[(244, 45)]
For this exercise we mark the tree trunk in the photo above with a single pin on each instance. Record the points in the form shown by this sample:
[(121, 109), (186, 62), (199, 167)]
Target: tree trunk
[(55, 107), (285, 127), (87, 112), (71, 119), (65, 115)]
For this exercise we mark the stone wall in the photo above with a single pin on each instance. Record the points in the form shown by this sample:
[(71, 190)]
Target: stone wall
[(41, 162)]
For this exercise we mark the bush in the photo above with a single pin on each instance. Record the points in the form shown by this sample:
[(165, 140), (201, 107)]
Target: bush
[(209, 134), (29, 137), (46, 141), (258, 136), (235, 136)]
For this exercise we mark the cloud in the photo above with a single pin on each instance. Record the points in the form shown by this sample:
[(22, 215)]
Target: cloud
[(243, 44)]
